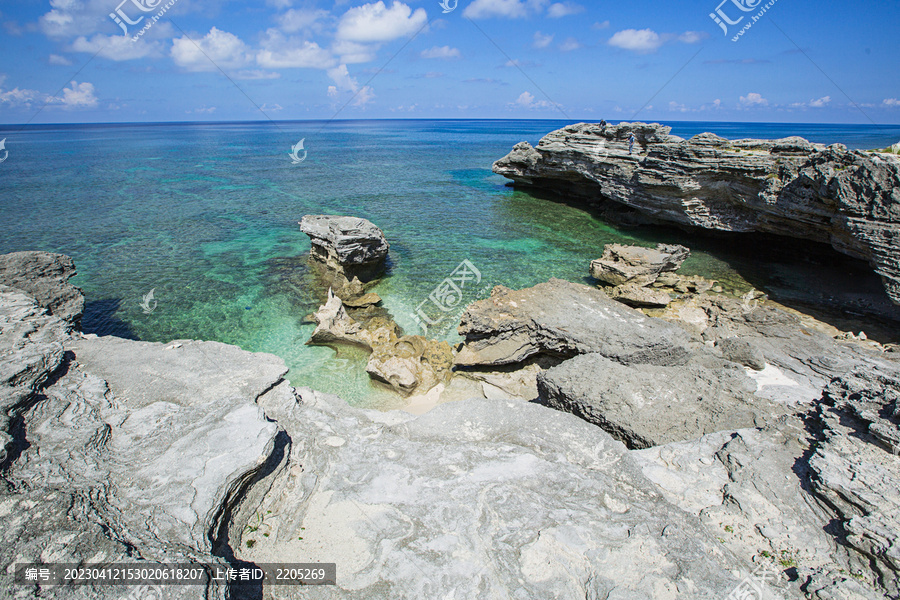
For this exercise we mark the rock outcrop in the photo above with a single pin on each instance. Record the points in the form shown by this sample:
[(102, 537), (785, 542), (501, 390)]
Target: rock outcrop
[(563, 319), (646, 405), (621, 265), (788, 187), (124, 451), (475, 499), (45, 277), (351, 246)]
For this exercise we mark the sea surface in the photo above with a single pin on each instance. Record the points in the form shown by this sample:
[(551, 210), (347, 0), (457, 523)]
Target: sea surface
[(205, 216)]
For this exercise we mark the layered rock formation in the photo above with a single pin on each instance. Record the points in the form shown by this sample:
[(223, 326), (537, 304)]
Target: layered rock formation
[(45, 277), (351, 246), (788, 187)]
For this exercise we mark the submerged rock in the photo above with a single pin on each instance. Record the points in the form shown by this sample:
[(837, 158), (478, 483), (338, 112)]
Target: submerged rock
[(788, 187), (45, 277), (348, 245), (621, 265)]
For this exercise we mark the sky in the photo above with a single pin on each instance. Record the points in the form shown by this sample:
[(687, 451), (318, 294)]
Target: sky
[(803, 61)]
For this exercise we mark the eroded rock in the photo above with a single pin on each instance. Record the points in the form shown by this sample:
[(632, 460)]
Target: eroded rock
[(349, 245), (788, 187), (45, 277), (636, 265)]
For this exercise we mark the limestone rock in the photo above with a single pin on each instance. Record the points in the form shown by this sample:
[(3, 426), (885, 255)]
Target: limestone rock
[(646, 405), (334, 325), (788, 187), (411, 362), (742, 351), (475, 499), (750, 487), (349, 245), (126, 451), (637, 296), (45, 277), (636, 265), (563, 319), (856, 469)]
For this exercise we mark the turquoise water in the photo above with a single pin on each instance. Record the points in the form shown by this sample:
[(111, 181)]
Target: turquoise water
[(206, 216)]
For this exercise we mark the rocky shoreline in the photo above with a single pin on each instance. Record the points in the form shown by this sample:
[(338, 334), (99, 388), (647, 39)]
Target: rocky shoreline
[(645, 436), (789, 187)]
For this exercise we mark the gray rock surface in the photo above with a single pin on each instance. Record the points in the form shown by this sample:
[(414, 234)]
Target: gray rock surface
[(856, 470), (751, 487), (639, 297), (349, 245), (45, 277), (742, 351), (564, 319), (789, 187), (475, 499), (647, 405), (123, 451), (636, 265)]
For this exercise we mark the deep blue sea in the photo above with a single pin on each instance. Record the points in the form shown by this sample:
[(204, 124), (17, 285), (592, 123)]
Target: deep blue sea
[(205, 215)]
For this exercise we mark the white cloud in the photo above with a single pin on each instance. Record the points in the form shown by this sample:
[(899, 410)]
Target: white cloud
[(692, 37), (603, 25), (526, 100), (820, 102), (297, 19), (217, 49), (564, 9), (279, 3), (754, 99), (17, 97), (891, 102), (364, 97), (56, 59), (441, 52), (675, 106), (542, 40), (353, 53), (345, 83), (512, 9), (376, 23), (115, 47), (279, 52), (80, 95), (636, 40), (644, 41), (569, 45)]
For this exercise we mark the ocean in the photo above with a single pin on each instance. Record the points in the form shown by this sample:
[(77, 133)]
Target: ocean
[(205, 216)]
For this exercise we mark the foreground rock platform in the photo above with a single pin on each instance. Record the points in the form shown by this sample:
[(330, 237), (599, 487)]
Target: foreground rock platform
[(788, 187)]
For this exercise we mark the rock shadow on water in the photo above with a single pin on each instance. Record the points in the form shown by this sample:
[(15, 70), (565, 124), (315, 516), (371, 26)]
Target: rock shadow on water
[(99, 318)]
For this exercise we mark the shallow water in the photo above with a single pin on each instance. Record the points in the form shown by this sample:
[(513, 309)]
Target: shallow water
[(206, 217)]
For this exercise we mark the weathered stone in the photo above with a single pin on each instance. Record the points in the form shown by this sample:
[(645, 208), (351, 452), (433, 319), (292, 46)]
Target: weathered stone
[(637, 296), (564, 319), (788, 187), (742, 351), (334, 326), (349, 245), (45, 277), (636, 265), (411, 362), (645, 405), (487, 498)]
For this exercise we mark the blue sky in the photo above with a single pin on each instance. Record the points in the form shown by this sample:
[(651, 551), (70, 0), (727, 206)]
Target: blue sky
[(215, 60)]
